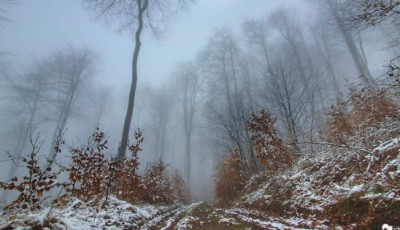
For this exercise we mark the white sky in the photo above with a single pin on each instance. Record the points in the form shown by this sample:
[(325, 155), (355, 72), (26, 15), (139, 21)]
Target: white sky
[(39, 27)]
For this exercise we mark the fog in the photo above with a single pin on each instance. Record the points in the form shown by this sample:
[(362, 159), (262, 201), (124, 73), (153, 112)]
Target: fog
[(201, 79)]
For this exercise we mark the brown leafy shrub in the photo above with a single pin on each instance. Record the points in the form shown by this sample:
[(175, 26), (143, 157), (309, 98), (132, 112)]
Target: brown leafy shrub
[(349, 210), (371, 106), (88, 170), (92, 176), (385, 212), (127, 181), (37, 182), (229, 178), (272, 150), (368, 108), (180, 188), (339, 127), (157, 186)]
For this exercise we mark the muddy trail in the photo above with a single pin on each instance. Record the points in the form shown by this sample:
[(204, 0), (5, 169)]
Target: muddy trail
[(202, 216)]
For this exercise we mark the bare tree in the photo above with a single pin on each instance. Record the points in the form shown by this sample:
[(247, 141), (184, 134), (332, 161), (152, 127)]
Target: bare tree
[(100, 100), (134, 15), (292, 50), (70, 68), (187, 78), (361, 14), (257, 33), (229, 108), (357, 53), (285, 96), (26, 95), (294, 34), (291, 31), (323, 41), (159, 104)]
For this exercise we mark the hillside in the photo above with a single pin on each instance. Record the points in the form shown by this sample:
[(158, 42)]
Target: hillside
[(353, 184), (346, 188)]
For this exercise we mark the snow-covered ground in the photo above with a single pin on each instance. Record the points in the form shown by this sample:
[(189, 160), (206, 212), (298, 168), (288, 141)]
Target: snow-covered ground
[(267, 222), (79, 215)]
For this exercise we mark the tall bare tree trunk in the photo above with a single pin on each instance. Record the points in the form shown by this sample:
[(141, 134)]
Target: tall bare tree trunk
[(360, 63), (22, 140), (188, 159), (325, 53), (129, 112), (62, 120)]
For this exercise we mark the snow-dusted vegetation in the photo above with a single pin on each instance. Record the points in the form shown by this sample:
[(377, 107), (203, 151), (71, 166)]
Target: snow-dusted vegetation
[(76, 214)]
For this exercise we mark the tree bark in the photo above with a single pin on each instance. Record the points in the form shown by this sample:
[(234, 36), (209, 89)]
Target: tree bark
[(129, 112)]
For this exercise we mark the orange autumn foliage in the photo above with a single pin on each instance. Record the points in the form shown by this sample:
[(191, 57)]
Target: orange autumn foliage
[(157, 186), (366, 109), (88, 169), (228, 178), (271, 150), (128, 182), (38, 181)]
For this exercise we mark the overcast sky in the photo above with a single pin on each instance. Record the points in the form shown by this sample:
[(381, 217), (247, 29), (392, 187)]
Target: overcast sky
[(39, 27)]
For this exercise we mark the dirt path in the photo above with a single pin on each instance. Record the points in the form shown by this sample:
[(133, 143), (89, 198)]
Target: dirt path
[(204, 216)]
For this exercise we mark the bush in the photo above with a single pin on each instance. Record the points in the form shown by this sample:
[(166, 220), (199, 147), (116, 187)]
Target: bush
[(272, 150), (92, 177), (88, 170), (38, 181), (127, 186), (180, 188), (349, 210), (364, 112), (371, 106), (339, 127), (229, 179), (157, 186)]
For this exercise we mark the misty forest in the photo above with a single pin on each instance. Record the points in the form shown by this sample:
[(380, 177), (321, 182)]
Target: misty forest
[(184, 114)]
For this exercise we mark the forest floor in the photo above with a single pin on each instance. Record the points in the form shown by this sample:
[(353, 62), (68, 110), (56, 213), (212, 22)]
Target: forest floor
[(122, 215), (205, 216)]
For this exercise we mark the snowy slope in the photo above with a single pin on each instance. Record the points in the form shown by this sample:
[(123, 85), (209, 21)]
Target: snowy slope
[(337, 187)]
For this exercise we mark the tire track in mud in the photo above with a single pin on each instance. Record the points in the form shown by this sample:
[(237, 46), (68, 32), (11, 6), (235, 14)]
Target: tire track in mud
[(168, 219), (204, 216)]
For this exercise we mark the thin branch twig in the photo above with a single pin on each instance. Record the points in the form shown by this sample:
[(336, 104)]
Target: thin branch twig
[(337, 145)]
